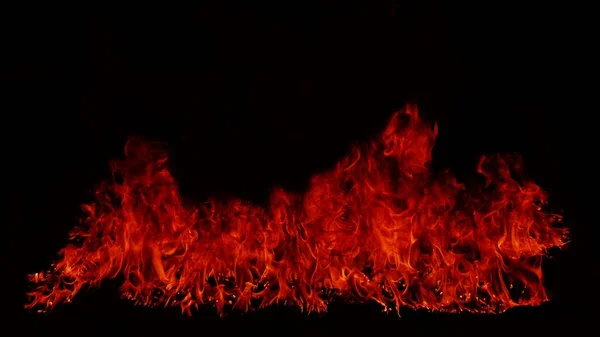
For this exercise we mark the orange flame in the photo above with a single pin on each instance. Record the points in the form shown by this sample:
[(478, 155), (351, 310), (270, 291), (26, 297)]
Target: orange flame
[(378, 227)]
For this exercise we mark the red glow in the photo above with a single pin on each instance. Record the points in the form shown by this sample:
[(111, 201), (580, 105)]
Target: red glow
[(379, 226)]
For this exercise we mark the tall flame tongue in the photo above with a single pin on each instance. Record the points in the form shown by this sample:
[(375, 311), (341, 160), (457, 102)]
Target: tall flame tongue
[(376, 227)]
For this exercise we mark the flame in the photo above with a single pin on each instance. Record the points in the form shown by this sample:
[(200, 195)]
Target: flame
[(377, 227)]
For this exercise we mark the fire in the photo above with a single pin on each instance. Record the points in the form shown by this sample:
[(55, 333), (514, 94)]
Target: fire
[(379, 226)]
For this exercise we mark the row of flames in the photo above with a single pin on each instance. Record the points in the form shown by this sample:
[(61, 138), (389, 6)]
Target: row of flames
[(379, 226)]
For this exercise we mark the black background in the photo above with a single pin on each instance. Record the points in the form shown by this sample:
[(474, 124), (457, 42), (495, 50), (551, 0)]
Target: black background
[(251, 99)]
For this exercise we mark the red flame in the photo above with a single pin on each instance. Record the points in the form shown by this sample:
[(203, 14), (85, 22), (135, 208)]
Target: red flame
[(378, 227)]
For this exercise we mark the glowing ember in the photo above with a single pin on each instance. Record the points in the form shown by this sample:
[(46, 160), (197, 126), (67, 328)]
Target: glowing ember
[(378, 227)]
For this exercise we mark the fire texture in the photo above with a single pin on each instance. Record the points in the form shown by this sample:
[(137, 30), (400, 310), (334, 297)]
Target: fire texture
[(379, 226)]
